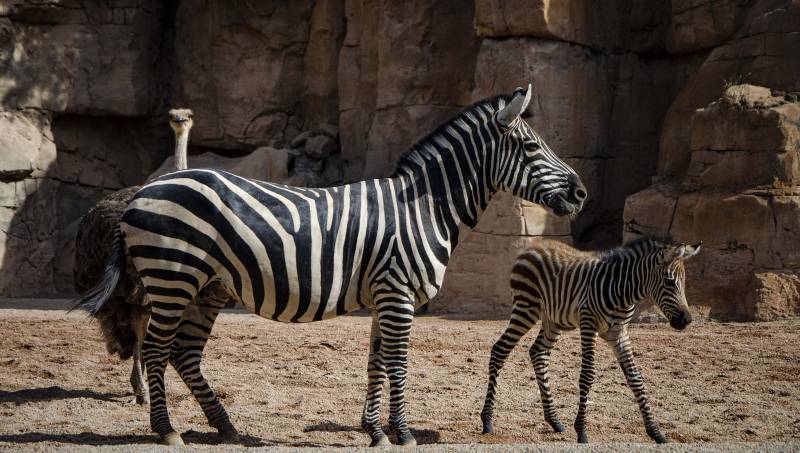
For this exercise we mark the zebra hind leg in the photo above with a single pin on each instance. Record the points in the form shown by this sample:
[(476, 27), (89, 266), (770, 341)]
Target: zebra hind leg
[(522, 320), (376, 372), (186, 356), (540, 357), (167, 309)]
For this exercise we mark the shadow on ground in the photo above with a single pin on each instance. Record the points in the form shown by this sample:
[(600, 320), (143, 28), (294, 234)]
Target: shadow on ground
[(52, 394), (423, 436)]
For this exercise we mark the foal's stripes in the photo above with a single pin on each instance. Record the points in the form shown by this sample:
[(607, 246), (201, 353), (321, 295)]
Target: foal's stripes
[(598, 293)]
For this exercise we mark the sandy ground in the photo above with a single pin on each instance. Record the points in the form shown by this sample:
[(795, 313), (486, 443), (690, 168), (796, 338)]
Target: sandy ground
[(303, 385)]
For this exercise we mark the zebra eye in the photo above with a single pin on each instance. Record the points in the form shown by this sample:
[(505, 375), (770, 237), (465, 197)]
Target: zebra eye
[(531, 146)]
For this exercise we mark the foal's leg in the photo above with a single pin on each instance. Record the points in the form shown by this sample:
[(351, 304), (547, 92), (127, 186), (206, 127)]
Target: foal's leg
[(522, 320), (187, 354), (624, 353), (376, 372), (540, 356), (588, 335)]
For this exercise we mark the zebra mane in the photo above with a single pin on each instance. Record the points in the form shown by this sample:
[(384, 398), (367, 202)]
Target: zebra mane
[(647, 242), (410, 159)]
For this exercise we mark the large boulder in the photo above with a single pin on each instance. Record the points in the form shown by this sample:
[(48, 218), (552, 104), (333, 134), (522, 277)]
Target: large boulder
[(741, 198), (764, 51)]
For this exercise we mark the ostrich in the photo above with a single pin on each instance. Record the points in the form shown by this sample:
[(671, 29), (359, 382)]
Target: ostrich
[(123, 320)]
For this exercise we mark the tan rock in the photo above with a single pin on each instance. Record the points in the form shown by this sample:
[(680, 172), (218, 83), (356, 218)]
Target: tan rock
[(775, 295)]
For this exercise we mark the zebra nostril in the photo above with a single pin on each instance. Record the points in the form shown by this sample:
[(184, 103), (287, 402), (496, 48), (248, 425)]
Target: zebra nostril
[(580, 194)]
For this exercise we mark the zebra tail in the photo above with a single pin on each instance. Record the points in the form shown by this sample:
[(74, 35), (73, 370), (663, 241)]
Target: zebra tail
[(94, 299)]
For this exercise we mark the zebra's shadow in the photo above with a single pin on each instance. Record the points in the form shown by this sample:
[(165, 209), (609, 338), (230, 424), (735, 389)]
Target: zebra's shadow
[(90, 438), (423, 436), (54, 393)]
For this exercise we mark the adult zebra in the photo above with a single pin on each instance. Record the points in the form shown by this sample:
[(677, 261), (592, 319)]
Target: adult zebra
[(598, 292), (297, 255)]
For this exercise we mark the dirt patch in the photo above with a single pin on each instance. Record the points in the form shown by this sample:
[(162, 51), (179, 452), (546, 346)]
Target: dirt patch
[(303, 385)]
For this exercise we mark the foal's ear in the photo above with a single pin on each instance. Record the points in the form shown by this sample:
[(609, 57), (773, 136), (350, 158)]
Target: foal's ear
[(682, 252), (691, 250), (514, 109)]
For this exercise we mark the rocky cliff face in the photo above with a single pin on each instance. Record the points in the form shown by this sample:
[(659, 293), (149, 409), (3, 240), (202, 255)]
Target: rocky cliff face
[(335, 90)]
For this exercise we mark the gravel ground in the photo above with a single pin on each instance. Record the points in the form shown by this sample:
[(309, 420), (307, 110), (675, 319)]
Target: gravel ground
[(714, 387)]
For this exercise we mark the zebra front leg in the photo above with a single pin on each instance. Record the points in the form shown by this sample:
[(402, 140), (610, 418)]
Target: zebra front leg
[(186, 357), (588, 335), (540, 357), (161, 330), (624, 353), (376, 374), (394, 321), (521, 322)]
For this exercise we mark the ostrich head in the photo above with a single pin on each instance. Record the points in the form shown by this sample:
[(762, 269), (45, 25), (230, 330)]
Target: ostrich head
[(181, 120)]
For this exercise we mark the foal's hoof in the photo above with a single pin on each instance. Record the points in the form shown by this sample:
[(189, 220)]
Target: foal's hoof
[(557, 426), (382, 441), (173, 439), (487, 427), (658, 437), (142, 400), (583, 438)]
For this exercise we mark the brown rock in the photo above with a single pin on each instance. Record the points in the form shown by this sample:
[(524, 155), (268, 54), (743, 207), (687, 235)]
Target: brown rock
[(775, 295)]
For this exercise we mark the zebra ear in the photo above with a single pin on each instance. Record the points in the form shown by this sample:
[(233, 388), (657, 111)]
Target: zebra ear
[(518, 104)]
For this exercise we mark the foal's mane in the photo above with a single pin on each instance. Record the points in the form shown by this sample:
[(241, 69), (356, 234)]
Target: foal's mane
[(648, 242), (408, 161)]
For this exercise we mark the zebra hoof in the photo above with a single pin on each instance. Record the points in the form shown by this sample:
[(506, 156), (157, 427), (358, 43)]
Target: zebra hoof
[(557, 426), (172, 439), (583, 438), (382, 441), (228, 435), (658, 437), (487, 427), (142, 400), (406, 440)]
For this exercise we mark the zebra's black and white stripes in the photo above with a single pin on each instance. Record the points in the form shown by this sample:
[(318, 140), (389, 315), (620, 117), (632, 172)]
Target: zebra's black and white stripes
[(297, 255), (598, 293)]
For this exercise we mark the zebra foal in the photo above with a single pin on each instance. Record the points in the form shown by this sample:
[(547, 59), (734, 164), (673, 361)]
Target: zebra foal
[(597, 292), (295, 255)]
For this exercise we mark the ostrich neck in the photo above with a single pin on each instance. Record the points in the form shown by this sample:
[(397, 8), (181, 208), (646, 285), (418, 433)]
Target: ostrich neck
[(181, 143)]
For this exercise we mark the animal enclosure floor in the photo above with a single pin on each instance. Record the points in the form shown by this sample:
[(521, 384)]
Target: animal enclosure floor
[(303, 385)]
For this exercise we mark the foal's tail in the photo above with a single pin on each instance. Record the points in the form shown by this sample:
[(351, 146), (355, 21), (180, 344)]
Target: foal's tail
[(94, 299)]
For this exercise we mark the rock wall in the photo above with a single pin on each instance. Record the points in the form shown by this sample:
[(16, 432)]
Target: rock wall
[(328, 91)]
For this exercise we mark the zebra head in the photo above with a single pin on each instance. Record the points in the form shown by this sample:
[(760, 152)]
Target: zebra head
[(528, 168), (669, 279)]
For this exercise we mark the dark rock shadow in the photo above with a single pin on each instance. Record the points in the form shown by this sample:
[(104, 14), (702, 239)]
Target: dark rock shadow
[(54, 393)]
